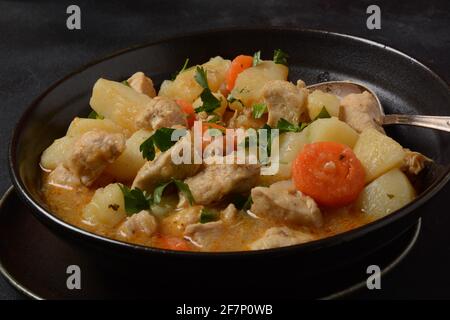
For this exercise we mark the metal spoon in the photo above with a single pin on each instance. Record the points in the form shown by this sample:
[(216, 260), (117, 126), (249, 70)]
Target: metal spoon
[(343, 88)]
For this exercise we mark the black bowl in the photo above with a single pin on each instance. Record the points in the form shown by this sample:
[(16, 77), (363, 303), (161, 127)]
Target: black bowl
[(403, 84)]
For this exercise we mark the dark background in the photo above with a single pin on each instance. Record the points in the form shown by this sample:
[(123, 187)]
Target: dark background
[(36, 49)]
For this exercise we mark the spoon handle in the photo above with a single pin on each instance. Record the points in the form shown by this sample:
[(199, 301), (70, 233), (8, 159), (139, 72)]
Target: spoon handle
[(434, 122)]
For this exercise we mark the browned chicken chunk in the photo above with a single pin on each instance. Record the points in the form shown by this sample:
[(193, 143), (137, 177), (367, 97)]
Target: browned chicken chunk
[(280, 237), (284, 100), (360, 111), (217, 180), (163, 168), (414, 162), (282, 201), (92, 152), (142, 84), (159, 113), (143, 222)]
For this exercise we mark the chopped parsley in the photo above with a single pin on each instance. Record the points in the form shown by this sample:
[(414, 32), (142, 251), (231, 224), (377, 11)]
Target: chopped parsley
[(207, 216), (162, 139), (125, 82), (181, 186), (210, 102), (256, 58), (323, 114), (258, 110), (94, 115), (280, 57), (135, 200), (183, 68)]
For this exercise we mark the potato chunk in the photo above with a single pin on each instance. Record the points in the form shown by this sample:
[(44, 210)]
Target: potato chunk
[(318, 100), (118, 102), (107, 207), (290, 144), (79, 126), (388, 193), (378, 153), (57, 152), (185, 87), (331, 129), (131, 160), (250, 82)]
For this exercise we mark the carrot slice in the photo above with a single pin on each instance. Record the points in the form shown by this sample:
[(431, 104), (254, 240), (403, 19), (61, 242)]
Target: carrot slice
[(172, 243), (329, 172), (187, 108), (239, 64)]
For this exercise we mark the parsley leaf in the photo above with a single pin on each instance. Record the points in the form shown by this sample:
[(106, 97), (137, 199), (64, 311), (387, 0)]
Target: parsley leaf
[(158, 192), (241, 202), (256, 58), (285, 126), (258, 110), (125, 82), (207, 216), (184, 188), (181, 186), (280, 57), (210, 102), (135, 200), (162, 139), (94, 115), (201, 78), (323, 114), (183, 68)]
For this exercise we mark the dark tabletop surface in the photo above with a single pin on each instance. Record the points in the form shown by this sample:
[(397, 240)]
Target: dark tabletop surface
[(36, 49)]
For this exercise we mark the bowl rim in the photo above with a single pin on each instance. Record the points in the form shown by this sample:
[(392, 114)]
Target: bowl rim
[(331, 241)]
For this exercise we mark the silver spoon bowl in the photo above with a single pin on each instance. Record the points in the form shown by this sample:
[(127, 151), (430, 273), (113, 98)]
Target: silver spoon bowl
[(343, 88)]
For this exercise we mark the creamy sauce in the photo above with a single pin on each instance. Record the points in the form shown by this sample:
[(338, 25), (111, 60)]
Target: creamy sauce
[(68, 204)]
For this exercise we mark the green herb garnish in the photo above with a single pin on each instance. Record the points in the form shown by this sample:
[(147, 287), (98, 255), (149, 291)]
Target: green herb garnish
[(323, 114), (183, 68), (210, 102), (94, 115), (285, 126), (181, 186), (280, 57), (125, 82), (135, 200), (162, 139), (207, 216), (258, 110), (256, 58), (201, 77)]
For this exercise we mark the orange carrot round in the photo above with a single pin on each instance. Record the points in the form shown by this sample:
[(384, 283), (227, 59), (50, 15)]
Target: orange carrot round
[(172, 243), (329, 172), (239, 64), (188, 109)]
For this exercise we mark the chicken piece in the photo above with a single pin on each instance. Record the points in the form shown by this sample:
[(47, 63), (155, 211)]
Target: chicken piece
[(229, 214), (142, 84), (204, 234), (92, 152), (280, 237), (360, 111), (283, 202), (284, 100), (217, 180), (143, 222), (63, 178), (244, 119), (159, 113), (177, 222), (414, 162), (163, 168)]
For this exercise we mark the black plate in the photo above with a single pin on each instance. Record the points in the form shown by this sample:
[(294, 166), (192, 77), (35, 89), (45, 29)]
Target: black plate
[(36, 262), (403, 85)]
